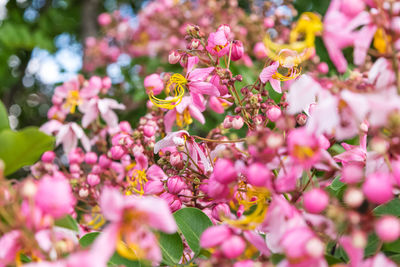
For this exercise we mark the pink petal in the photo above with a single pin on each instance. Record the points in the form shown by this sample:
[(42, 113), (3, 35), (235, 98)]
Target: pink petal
[(111, 204), (203, 88), (200, 74), (196, 113), (155, 173), (169, 119), (266, 73), (276, 85)]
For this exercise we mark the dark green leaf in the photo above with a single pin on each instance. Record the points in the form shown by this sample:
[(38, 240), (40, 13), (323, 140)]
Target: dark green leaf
[(18, 149), (172, 248), (67, 222), (88, 239), (372, 245), (332, 260), (392, 208), (277, 258), (118, 260), (192, 222), (392, 246)]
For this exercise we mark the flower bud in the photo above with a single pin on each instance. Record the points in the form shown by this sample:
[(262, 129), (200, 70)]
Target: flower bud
[(260, 51), (258, 175), (153, 83), (153, 187), (220, 211), (104, 161), (74, 168), (301, 119), (91, 158), (149, 130), (352, 174), (237, 50), (48, 156), (237, 122), (117, 152), (195, 43), (273, 113), (388, 228), (315, 247), (125, 127), (175, 184), (315, 200), (29, 189), (233, 247), (215, 235), (83, 192), (323, 68), (224, 171), (174, 57), (227, 124), (104, 19), (378, 188), (76, 156), (269, 22), (173, 201), (93, 179), (353, 197), (176, 159)]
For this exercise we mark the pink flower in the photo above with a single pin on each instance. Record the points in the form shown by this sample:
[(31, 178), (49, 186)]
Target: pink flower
[(237, 50), (303, 147), (92, 108), (218, 44), (339, 32), (266, 76), (378, 188), (54, 196), (260, 51), (302, 93), (182, 114), (145, 213), (9, 243), (69, 134)]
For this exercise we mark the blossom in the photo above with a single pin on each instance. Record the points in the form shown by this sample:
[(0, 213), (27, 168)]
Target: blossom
[(303, 147), (92, 108), (218, 44), (68, 136), (266, 75)]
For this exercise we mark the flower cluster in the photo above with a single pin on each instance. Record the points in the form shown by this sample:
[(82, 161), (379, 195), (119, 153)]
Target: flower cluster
[(302, 169)]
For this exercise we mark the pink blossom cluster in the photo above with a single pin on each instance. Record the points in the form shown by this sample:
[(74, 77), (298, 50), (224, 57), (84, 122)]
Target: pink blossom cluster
[(303, 169)]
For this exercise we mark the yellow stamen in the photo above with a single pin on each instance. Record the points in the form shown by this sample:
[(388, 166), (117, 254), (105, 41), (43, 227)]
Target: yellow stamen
[(253, 196), (137, 182), (177, 81), (97, 219), (73, 100), (184, 119), (303, 152), (381, 40)]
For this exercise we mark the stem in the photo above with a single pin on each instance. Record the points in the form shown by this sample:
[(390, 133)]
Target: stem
[(219, 141)]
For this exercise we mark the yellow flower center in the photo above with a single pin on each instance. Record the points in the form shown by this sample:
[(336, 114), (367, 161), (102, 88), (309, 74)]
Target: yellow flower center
[(303, 152), (177, 81), (184, 119), (381, 40), (73, 100), (137, 181)]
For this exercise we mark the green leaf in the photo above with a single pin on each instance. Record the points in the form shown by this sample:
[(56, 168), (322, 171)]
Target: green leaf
[(395, 258), (67, 222), (337, 187), (332, 260), (392, 246), (3, 117), (192, 222), (18, 149), (118, 260), (372, 245), (277, 258), (88, 239), (392, 208), (172, 248)]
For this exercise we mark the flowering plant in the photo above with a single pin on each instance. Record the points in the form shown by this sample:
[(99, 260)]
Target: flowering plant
[(302, 169)]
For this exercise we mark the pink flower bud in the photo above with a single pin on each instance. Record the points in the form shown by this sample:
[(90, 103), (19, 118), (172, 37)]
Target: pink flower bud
[(352, 174), (149, 130), (220, 211), (227, 31), (175, 184), (388, 228), (315, 248), (260, 51), (258, 175), (106, 82), (352, 8), (323, 68), (315, 200), (104, 161), (195, 43), (273, 113), (237, 50), (95, 83), (76, 156), (117, 152), (378, 188), (224, 171), (237, 122), (353, 197), (93, 179), (173, 201), (74, 168), (83, 192), (269, 22), (91, 158), (174, 57), (217, 190), (104, 19), (48, 156), (215, 235), (154, 187), (176, 159), (227, 122), (301, 119), (153, 83), (233, 247), (125, 127)]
